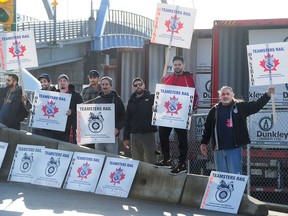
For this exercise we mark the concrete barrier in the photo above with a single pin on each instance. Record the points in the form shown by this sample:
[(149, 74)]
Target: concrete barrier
[(155, 184)]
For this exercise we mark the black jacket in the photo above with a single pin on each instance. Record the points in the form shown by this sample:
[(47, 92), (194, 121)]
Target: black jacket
[(239, 110), (113, 97), (14, 111), (72, 119), (139, 115)]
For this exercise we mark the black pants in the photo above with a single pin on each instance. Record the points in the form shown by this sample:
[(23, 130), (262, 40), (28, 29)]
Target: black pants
[(164, 133)]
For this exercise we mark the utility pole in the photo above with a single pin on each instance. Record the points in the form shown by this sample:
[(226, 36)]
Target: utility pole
[(54, 4)]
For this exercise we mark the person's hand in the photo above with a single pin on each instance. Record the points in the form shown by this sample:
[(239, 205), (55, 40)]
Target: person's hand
[(69, 112), (126, 144), (116, 132), (203, 149), (24, 99), (271, 90)]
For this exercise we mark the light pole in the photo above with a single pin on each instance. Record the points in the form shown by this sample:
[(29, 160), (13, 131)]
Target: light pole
[(54, 4)]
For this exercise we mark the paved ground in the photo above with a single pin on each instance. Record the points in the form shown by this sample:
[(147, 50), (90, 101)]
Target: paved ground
[(21, 199)]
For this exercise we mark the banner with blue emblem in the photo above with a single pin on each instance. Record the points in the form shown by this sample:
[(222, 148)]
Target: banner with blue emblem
[(117, 177), (26, 158), (224, 192), (52, 168), (49, 110), (84, 172), (95, 123), (173, 106)]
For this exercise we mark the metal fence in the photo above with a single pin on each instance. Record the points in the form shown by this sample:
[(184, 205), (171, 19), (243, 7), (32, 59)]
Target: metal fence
[(265, 165), (65, 30), (118, 23), (267, 168), (127, 23)]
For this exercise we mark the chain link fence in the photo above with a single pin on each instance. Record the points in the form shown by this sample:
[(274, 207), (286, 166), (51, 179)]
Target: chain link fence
[(265, 161)]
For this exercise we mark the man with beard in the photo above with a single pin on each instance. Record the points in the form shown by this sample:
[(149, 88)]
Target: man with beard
[(226, 127), (45, 81), (108, 96), (69, 135), (12, 108), (90, 92), (138, 131), (46, 85), (185, 79)]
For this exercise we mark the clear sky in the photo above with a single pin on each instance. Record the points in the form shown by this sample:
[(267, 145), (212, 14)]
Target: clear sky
[(207, 10)]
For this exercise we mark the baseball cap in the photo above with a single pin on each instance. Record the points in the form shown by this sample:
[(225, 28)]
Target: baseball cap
[(94, 73), (44, 75)]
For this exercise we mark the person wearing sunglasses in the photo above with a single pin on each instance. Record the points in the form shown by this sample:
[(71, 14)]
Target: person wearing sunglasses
[(139, 134)]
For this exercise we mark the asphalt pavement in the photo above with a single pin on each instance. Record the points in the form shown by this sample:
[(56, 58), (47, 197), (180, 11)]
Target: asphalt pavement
[(22, 199)]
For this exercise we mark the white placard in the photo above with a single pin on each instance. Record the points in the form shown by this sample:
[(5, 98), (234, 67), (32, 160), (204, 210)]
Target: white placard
[(262, 129), (173, 106), (172, 19), (203, 87), (3, 149), (95, 123), (224, 192), (84, 172), (264, 59), (52, 168), (18, 46), (49, 110), (117, 177), (26, 158)]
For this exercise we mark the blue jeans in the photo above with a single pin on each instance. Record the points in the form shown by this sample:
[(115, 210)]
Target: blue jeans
[(229, 161)]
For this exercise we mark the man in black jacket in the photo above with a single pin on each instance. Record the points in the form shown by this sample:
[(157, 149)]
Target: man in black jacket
[(12, 109), (226, 126), (69, 135), (138, 130), (108, 96)]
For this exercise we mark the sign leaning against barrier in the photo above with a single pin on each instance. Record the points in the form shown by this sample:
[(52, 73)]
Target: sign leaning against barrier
[(264, 131)]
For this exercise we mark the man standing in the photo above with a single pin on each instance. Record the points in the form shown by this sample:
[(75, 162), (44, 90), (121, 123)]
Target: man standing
[(108, 96), (178, 78), (90, 92), (12, 109), (46, 82), (226, 125), (138, 124), (69, 135), (46, 85)]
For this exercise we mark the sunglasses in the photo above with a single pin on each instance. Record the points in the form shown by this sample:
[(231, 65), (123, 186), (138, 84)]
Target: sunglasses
[(137, 84)]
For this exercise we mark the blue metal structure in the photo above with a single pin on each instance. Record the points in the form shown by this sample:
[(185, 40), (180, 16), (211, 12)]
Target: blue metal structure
[(120, 29)]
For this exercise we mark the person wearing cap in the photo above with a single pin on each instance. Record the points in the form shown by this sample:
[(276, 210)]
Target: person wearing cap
[(90, 92), (12, 108), (139, 134), (69, 135), (46, 82), (46, 85), (108, 96)]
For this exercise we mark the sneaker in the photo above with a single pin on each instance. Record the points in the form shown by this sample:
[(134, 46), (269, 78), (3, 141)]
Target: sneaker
[(164, 164), (181, 168)]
